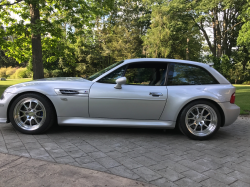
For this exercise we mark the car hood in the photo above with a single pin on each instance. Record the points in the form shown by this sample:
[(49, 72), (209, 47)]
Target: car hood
[(79, 79), (47, 86)]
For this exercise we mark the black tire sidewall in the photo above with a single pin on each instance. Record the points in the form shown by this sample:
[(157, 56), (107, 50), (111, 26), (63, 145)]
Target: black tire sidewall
[(182, 124), (50, 113)]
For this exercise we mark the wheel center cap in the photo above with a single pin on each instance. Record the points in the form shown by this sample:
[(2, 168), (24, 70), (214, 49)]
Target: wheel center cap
[(199, 119)]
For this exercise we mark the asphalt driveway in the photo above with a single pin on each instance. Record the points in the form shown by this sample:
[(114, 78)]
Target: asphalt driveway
[(162, 158)]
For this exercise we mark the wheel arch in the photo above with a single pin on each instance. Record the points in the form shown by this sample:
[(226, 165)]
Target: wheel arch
[(22, 93), (215, 103)]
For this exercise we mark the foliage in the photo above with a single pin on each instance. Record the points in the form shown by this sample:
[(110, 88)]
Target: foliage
[(21, 73), (244, 35), (56, 20), (15, 73), (246, 83), (171, 33), (81, 37)]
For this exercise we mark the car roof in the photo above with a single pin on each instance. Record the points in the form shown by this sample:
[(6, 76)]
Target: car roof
[(165, 60)]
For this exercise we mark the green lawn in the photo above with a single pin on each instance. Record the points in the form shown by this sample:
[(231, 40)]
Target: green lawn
[(242, 93), (243, 98), (9, 82)]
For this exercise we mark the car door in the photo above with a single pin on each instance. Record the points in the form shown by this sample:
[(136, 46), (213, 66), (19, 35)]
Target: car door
[(143, 97)]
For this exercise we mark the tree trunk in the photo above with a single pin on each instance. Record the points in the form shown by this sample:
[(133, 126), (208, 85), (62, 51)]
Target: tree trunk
[(214, 31), (36, 41)]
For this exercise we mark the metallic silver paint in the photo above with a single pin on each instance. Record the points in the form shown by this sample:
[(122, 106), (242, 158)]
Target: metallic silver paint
[(132, 101), (73, 106), (116, 122), (119, 82), (179, 96), (231, 112), (5, 101)]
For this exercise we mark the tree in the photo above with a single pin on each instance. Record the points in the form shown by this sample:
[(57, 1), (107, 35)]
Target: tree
[(42, 20), (172, 33)]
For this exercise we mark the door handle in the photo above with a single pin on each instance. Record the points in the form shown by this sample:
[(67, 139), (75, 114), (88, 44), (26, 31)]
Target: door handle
[(156, 94)]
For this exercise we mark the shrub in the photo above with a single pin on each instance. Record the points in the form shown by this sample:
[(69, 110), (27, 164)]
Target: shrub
[(56, 73), (21, 73), (10, 71), (3, 72), (246, 83), (47, 73)]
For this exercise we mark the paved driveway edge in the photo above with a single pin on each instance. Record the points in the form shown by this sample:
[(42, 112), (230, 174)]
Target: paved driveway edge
[(22, 171)]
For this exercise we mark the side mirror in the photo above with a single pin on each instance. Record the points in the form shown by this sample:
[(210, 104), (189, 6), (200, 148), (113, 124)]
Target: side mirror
[(119, 82)]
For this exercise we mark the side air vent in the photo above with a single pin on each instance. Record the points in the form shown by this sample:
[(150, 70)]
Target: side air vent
[(69, 92), (72, 92)]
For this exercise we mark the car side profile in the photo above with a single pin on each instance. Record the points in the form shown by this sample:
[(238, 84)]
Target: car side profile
[(146, 93)]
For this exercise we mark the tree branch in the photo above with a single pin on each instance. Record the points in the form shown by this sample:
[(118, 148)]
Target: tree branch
[(9, 4), (205, 34), (233, 26)]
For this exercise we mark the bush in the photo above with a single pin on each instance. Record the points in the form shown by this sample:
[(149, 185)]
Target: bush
[(21, 73), (3, 72), (10, 71), (246, 83), (52, 73)]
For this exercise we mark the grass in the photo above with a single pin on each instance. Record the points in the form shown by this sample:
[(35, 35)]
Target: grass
[(9, 82), (242, 93), (243, 98)]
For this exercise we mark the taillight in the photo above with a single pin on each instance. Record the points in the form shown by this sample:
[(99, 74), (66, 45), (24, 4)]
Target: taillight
[(232, 100)]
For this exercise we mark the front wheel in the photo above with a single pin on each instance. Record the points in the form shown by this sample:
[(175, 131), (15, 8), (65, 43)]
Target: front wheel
[(32, 113), (200, 120)]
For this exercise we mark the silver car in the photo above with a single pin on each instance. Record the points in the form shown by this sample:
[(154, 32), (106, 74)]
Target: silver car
[(147, 93)]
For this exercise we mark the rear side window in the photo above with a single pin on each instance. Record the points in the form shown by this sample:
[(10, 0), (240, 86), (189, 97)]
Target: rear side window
[(185, 74)]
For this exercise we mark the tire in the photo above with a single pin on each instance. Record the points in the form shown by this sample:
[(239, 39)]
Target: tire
[(202, 125), (32, 113)]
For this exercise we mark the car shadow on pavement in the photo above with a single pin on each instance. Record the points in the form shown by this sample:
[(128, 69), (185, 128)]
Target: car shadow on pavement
[(135, 132), (114, 130)]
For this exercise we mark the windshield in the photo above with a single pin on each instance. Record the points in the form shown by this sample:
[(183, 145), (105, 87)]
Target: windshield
[(94, 76)]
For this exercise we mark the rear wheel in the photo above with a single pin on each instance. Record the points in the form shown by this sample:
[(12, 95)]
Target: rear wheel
[(200, 120), (32, 113)]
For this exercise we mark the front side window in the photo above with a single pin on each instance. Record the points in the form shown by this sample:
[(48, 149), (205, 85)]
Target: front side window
[(147, 74), (116, 74), (184, 74), (94, 76)]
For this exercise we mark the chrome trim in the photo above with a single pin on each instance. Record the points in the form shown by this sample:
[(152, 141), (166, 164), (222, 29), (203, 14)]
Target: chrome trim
[(71, 92), (156, 94)]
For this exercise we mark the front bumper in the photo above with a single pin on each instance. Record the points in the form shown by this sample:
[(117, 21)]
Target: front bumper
[(4, 103), (231, 112)]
